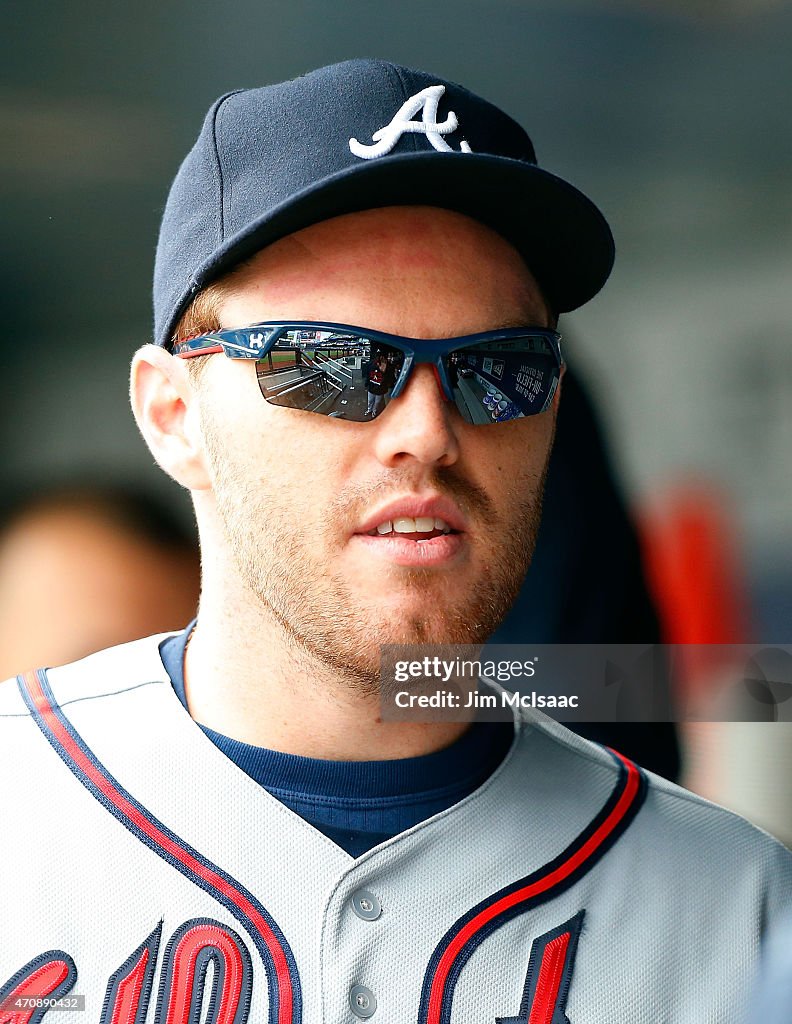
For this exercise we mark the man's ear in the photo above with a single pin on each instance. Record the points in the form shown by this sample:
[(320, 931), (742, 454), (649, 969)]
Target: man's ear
[(164, 403)]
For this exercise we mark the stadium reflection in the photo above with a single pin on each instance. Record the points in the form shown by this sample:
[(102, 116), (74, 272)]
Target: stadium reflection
[(350, 376)]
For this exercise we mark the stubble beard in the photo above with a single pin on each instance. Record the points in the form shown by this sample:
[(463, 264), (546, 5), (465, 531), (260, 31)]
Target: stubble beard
[(318, 612)]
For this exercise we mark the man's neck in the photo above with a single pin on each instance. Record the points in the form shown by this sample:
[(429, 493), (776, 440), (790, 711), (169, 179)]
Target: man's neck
[(245, 679)]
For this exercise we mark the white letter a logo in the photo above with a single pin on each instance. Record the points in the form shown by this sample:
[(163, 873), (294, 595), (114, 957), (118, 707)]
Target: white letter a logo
[(384, 139)]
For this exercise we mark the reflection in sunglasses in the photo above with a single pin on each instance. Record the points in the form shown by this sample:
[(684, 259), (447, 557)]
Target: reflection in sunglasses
[(345, 372), (347, 376)]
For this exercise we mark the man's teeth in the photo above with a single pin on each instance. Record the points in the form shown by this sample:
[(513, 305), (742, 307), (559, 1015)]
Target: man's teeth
[(423, 524)]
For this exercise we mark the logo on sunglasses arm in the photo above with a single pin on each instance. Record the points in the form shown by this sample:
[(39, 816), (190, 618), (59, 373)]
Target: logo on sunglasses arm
[(427, 100)]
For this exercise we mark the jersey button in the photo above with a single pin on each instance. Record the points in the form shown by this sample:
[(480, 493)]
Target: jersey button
[(362, 1001), (366, 905)]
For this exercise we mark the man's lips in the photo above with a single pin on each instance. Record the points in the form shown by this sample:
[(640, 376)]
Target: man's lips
[(413, 550), (414, 531), (435, 515)]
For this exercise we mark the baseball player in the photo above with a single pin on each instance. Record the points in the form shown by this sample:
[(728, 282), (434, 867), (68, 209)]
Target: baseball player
[(217, 824)]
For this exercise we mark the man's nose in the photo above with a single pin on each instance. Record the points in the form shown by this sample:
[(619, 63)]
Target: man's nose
[(419, 424)]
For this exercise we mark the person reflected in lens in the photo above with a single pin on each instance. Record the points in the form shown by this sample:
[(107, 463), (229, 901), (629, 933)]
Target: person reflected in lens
[(378, 375), (394, 362), (453, 370)]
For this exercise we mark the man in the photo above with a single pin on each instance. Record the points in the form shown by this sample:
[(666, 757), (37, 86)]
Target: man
[(231, 796), (376, 384)]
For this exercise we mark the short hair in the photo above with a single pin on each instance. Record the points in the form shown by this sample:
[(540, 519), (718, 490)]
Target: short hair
[(203, 313)]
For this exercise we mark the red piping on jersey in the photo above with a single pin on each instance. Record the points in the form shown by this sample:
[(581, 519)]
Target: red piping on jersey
[(549, 981), (540, 885), (158, 837)]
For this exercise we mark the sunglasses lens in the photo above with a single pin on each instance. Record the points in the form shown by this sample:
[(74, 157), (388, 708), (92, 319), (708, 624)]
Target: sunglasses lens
[(345, 374), (503, 380), (334, 373)]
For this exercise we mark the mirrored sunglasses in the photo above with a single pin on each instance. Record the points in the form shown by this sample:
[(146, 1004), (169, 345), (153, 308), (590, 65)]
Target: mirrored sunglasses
[(352, 373)]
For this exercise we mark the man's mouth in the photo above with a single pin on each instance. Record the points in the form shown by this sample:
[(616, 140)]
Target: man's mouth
[(419, 529), (423, 531)]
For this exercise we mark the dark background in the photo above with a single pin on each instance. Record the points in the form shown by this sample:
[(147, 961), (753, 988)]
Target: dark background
[(673, 117)]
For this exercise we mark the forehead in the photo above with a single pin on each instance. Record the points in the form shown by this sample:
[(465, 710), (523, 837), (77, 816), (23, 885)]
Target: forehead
[(394, 256)]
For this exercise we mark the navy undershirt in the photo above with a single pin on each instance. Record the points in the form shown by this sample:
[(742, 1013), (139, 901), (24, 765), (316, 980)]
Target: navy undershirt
[(359, 804)]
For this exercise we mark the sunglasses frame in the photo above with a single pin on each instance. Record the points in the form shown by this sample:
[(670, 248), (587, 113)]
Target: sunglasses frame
[(257, 340)]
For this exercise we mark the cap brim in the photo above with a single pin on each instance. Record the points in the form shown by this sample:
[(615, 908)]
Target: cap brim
[(563, 237)]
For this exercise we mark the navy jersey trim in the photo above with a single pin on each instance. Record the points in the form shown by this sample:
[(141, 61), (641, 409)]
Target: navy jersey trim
[(466, 935), (285, 1000), (232, 985), (549, 1005), (143, 961)]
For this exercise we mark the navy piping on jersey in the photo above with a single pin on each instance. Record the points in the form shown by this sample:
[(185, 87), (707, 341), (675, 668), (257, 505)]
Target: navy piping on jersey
[(466, 935), (570, 931), (240, 983), (285, 1000), (145, 954)]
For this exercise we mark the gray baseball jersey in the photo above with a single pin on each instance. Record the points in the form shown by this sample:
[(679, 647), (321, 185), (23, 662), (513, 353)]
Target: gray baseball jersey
[(145, 875)]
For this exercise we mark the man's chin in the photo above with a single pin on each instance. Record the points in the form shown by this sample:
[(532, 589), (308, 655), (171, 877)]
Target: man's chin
[(431, 618), (426, 608), (360, 663)]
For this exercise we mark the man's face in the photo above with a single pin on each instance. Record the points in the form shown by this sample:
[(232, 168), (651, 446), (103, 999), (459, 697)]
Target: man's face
[(299, 496)]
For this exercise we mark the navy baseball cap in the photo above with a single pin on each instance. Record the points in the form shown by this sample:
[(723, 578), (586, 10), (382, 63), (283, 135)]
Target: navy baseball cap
[(359, 135)]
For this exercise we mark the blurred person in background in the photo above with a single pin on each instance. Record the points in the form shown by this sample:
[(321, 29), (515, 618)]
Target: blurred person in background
[(84, 566), (586, 583)]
